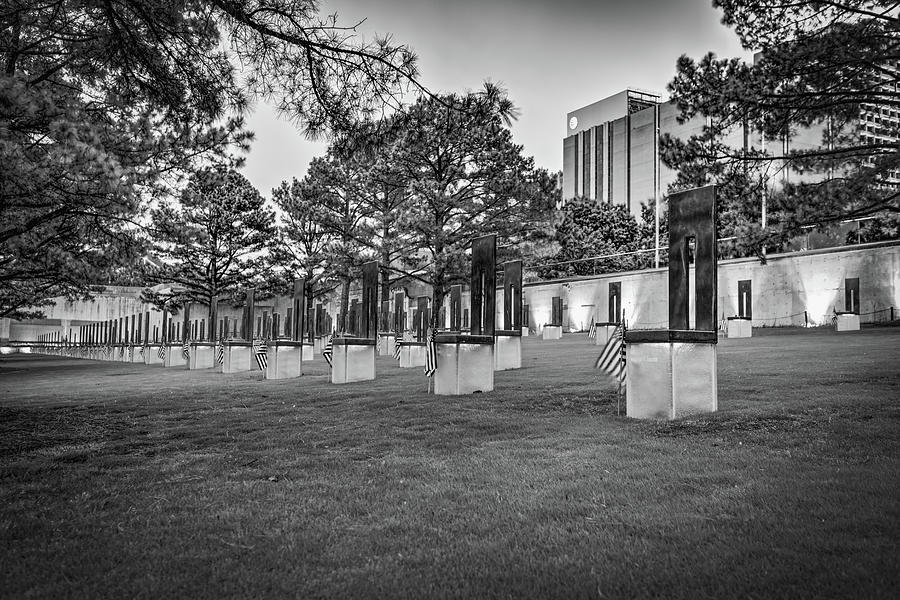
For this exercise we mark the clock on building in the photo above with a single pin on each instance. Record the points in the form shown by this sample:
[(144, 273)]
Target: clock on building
[(573, 122)]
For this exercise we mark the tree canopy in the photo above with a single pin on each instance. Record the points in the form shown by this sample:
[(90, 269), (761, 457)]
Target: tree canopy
[(300, 247), (413, 190), (818, 67), (105, 106), (465, 177), (585, 228), (211, 241)]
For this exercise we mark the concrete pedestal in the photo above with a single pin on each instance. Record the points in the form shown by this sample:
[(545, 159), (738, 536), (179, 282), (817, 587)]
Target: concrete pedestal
[(524, 332), (670, 374), (136, 356), (285, 360), (319, 343), (847, 322), (174, 357), (386, 344), (412, 354), (507, 350), (203, 356), (238, 357), (352, 359), (308, 351), (465, 364), (738, 327), (151, 355), (552, 332), (604, 330)]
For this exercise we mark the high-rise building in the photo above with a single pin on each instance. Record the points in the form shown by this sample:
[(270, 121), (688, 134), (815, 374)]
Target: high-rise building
[(611, 152)]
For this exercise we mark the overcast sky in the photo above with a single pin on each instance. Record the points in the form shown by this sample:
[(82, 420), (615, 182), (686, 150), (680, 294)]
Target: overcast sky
[(552, 56)]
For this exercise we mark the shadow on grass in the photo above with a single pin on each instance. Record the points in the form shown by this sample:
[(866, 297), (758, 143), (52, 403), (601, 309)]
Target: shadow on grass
[(125, 482)]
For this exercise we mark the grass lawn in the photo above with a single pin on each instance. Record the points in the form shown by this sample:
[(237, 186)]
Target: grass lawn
[(126, 481)]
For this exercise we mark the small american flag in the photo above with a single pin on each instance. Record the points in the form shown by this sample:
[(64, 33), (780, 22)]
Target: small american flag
[(592, 330), (186, 350), (161, 353), (220, 353), (260, 351), (329, 348), (398, 344), (431, 354), (612, 359), (141, 351)]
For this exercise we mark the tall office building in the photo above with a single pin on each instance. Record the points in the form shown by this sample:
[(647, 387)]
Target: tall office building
[(611, 150)]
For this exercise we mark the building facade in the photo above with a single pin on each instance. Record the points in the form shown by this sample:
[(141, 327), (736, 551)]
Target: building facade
[(611, 150)]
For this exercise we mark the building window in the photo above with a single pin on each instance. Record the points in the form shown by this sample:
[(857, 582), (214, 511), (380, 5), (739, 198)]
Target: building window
[(586, 163)]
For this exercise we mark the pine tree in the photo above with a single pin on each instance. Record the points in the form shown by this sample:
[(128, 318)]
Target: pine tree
[(213, 241), (817, 66), (107, 105)]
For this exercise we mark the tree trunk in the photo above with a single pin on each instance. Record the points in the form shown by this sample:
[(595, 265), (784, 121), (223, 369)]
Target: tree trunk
[(345, 303), (385, 263), (307, 304)]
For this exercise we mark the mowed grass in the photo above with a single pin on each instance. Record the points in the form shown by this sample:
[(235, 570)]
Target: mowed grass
[(129, 481)]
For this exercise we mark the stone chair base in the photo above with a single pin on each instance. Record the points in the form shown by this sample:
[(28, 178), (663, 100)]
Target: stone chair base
[(738, 327), (604, 330), (352, 359), (465, 364), (174, 357), (552, 332), (507, 350), (846, 322), (670, 374), (238, 357), (412, 354), (202, 356), (285, 359)]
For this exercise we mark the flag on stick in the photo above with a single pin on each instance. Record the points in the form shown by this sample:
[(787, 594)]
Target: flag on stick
[(612, 359), (431, 354), (186, 350), (260, 350), (398, 344), (161, 353), (329, 348), (220, 353), (592, 330)]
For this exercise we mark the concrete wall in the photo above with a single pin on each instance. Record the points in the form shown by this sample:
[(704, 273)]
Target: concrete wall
[(782, 289)]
